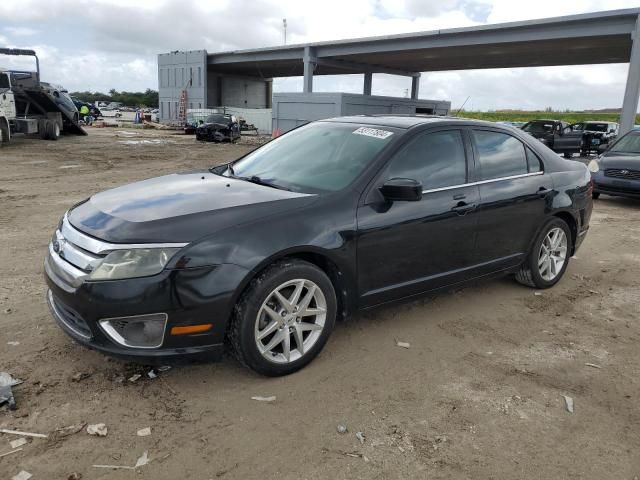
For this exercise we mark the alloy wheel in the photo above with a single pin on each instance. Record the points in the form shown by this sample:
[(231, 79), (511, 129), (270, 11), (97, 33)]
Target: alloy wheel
[(553, 254), (290, 321)]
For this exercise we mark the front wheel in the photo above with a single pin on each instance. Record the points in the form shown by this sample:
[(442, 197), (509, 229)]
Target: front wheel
[(548, 259), (595, 195), (284, 318)]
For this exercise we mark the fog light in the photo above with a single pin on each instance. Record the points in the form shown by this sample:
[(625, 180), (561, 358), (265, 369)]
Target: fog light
[(139, 331)]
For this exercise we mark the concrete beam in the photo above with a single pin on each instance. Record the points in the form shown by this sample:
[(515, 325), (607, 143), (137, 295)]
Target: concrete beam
[(368, 80), (309, 64), (357, 67), (632, 90), (415, 87)]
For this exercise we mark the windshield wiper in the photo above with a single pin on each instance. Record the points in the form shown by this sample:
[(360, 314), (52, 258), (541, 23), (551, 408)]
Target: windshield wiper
[(259, 181)]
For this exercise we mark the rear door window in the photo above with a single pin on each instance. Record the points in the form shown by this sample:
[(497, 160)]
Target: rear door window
[(436, 160), (534, 163), (500, 155)]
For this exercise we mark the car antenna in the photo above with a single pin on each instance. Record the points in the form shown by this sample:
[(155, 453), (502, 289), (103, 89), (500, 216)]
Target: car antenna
[(462, 106)]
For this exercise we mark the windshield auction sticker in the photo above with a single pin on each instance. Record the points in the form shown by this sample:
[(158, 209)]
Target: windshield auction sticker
[(373, 132)]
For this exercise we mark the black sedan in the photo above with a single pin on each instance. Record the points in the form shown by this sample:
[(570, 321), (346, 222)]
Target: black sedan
[(617, 171), (219, 128), (263, 254)]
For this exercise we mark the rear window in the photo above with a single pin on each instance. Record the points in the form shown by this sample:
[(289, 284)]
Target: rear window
[(500, 155)]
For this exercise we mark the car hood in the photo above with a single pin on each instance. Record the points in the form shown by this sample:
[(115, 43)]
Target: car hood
[(179, 208), (629, 161)]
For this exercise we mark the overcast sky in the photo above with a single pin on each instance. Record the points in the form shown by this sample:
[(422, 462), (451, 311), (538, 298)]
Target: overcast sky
[(102, 44)]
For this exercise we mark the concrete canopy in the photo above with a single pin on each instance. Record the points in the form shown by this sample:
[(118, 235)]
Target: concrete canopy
[(592, 38), (603, 37)]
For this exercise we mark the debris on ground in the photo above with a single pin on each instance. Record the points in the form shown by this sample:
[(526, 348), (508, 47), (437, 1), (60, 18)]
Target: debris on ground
[(75, 476), (537, 294), (152, 374), (144, 432), (135, 378), (342, 429), (360, 436), (6, 396), (13, 344), (66, 431), (78, 377), (357, 455), (97, 429), (23, 475), (403, 344), (142, 461), (568, 401), (264, 399), (593, 365), (18, 443), (10, 452), (24, 434)]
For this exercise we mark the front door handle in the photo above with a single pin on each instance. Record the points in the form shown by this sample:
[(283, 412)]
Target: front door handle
[(462, 208)]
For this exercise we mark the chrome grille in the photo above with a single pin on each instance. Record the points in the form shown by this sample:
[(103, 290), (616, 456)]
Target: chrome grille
[(622, 173)]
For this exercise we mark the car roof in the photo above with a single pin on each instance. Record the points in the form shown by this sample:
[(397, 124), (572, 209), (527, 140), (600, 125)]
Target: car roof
[(408, 121)]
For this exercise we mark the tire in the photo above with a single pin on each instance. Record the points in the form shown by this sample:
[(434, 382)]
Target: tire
[(534, 275), (5, 134), (42, 129), (568, 154), (595, 195), (54, 132), (252, 317)]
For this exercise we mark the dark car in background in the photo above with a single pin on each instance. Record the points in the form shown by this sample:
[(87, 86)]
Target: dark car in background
[(265, 253), (617, 170), (219, 127), (555, 134), (596, 136)]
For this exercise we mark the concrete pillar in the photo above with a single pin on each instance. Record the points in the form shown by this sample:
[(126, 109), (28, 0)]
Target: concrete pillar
[(368, 80), (632, 90), (307, 84), (415, 86)]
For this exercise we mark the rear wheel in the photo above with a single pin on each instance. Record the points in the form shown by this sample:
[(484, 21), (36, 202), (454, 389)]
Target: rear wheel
[(283, 319), (42, 128), (595, 195), (548, 259), (5, 134), (54, 130)]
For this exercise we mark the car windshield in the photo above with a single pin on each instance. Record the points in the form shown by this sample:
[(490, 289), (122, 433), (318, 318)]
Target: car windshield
[(319, 157), (219, 118), (627, 144), (596, 127), (538, 127)]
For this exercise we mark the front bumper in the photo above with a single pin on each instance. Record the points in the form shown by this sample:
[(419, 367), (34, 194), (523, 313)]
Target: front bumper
[(188, 297), (615, 186)]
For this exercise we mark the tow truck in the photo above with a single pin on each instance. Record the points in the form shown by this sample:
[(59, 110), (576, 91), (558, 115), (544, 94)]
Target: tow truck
[(29, 106)]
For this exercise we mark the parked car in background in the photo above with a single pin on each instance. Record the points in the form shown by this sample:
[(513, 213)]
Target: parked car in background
[(596, 136), (219, 127), (617, 170), (555, 134), (336, 216)]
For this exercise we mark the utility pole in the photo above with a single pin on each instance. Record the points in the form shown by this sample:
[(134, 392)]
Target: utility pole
[(284, 25)]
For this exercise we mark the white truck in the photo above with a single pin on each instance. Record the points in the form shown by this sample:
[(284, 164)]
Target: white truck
[(29, 106)]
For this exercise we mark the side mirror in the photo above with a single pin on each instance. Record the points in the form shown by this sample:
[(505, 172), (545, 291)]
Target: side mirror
[(402, 190)]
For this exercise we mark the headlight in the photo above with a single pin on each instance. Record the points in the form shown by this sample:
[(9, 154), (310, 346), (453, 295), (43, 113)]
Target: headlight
[(593, 166), (140, 262)]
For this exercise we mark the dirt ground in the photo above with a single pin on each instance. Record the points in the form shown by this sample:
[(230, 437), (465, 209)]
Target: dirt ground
[(478, 395)]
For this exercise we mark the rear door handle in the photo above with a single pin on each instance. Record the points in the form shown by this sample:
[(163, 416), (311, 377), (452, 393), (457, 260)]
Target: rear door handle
[(542, 191), (462, 208)]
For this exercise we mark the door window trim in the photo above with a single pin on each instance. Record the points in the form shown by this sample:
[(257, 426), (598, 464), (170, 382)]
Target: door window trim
[(482, 182)]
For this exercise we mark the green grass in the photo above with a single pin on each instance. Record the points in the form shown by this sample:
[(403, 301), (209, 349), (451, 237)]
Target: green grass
[(515, 116)]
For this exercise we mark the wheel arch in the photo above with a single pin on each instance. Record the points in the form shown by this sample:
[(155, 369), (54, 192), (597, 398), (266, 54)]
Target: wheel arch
[(571, 221), (4, 123), (343, 285)]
